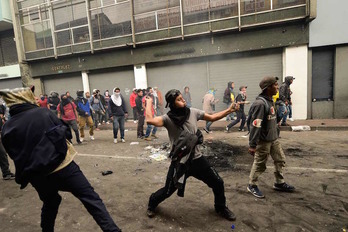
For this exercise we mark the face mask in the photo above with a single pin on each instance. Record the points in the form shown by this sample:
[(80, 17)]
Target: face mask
[(42, 98), (117, 94)]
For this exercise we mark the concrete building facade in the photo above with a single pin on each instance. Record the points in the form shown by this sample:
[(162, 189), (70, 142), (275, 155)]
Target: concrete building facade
[(79, 44)]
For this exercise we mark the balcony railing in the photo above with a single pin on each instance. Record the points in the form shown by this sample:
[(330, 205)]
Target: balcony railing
[(53, 28)]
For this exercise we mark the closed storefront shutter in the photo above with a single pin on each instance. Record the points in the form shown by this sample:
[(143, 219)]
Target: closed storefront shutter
[(11, 83), (177, 75), (122, 78), (243, 69), (63, 83)]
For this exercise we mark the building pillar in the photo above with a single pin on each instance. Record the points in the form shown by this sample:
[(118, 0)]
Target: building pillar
[(295, 63), (85, 81), (140, 76)]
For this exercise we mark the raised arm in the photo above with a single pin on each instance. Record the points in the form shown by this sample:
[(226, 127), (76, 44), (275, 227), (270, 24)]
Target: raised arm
[(156, 121), (214, 117)]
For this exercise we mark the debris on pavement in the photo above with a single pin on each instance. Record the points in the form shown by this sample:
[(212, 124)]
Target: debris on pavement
[(134, 143), (300, 128), (158, 157), (104, 173)]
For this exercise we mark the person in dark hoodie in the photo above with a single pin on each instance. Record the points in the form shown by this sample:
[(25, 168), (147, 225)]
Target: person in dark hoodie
[(68, 113), (118, 113), (180, 118), (263, 139), (44, 159), (229, 98), (284, 101), (53, 102), (141, 117), (84, 110)]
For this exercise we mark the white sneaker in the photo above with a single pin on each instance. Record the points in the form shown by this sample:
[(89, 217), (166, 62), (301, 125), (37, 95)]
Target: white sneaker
[(123, 140), (81, 139), (99, 124), (107, 122), (291, 119), (115, 141), (92, 137), (135, 121)]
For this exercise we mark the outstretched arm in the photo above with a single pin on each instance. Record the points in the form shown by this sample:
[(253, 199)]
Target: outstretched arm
[(214, 117), (156, 121)]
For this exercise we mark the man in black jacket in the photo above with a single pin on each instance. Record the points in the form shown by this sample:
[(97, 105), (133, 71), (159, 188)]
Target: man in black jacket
[(284, 100), (263, 139), (35, 139), (140, 112), (118, 113)]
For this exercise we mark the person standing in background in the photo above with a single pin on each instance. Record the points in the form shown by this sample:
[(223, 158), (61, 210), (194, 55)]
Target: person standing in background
[(209, 102), (187, 96), (132, 98)]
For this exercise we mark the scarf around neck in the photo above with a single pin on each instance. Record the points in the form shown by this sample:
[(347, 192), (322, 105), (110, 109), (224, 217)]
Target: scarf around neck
[(116, 100), (179, 116)]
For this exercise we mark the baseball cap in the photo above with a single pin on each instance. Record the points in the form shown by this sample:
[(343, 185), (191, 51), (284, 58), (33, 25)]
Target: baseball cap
[(267, 81)]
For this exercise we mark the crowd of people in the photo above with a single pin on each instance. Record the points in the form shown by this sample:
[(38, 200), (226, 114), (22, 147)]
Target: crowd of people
[(50, 167)]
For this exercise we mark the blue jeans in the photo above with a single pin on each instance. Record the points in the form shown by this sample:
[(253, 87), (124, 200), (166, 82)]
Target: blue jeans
[(118, 122), (283, 112), (148, 130), (290, 111), (208, 124)]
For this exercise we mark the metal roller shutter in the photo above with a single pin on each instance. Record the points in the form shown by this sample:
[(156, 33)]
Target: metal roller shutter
[(243, 69), (63, 83), (121, 77), (177, 75), (10, 83)]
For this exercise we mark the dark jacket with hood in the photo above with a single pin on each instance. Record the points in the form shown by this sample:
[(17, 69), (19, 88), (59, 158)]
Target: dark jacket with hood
[(284, 91), (54, 101), (263, 121), (82, 106), (227, 94), (115, 110), (35, 139)]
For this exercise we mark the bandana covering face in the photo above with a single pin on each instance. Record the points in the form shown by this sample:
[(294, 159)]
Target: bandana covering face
[(18, 96), (116, 98)]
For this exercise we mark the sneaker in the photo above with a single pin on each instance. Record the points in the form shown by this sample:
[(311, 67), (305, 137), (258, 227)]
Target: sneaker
[(154, 136), (115, 141), (208, 131), (81, 139), (253, 189), (123, 140), (107, 122), (284, 187), (226, 213), (291, 119), (147, 139), (135, 121), (227, 130), (9, 176), (99, 124), (241, 130), (91, 137), (150, 213), (284, 124), (79, 142), (140, 137), (97, 129)]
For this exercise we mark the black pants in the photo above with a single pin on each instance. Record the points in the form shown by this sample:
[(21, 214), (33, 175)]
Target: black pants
[(201, 170), (240, 115), (5, 166), (70, 179), (140, 128), (135, 113)]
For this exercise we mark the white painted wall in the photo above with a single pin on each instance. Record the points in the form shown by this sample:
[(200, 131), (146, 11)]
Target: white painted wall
[(140, 76), (85, 81), (10, 71), (295, 63)]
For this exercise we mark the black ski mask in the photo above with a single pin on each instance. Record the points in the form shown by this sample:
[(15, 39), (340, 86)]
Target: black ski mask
[(177, 115)]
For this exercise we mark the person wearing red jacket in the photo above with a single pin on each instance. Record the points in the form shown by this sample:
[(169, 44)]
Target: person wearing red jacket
[(132, 98)]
